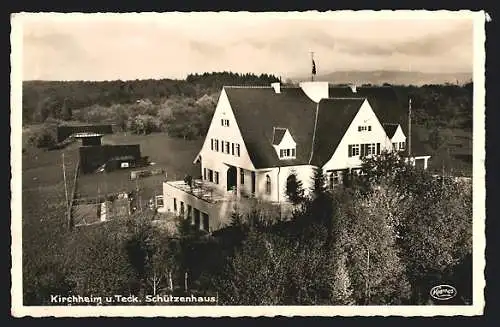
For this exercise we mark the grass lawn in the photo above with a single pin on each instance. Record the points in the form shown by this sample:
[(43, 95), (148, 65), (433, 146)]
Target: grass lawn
[(42, 178), (174, 156)]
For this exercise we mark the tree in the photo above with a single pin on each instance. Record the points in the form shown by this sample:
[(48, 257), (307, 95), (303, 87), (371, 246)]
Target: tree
[(271, 270), (66, 112), (367, 235), (100, 264), (253, 276), (342, 293), (435, 232), (44, 137), (318, 186), (294, 190), (384, 167)]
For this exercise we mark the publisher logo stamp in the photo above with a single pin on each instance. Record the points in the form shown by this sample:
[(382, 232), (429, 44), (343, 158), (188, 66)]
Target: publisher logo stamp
[(443, 292)]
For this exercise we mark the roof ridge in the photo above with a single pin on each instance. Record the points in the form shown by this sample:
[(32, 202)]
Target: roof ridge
[(248, 86), (345, 98), (260, 86)]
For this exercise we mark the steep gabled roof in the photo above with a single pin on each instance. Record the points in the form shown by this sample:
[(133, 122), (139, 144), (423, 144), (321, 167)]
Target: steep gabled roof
[(334, 117), (388, 105), (259, 110), (390, 129), (278, 133)]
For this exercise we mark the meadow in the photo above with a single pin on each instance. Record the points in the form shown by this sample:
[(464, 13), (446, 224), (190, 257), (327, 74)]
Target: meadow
[(175, 156)]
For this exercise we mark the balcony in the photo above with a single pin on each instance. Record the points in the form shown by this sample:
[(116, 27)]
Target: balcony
[(202, 190)]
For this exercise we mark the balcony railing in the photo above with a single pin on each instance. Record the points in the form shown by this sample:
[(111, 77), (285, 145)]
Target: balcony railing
[(201, 190)]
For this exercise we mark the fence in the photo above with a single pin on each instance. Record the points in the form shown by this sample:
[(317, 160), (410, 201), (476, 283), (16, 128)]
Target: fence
[(73, 194)]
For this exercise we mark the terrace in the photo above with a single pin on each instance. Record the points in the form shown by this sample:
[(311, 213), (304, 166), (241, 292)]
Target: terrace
[(201, 190)]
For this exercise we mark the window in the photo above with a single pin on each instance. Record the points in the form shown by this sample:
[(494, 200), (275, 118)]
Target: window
[(378, 148), (353, 150), (370, 149), (334, 179), (402, 145), (205, 173), (369, 128), (232, 149), (364, 128), (216, 175), (242, 176), (212, 144), (182, 208), (175, 204), (268, 184), (395, 146), (216, 145), (237, 150), (227, 147), (224, 122), (287, 153), (210, 175)]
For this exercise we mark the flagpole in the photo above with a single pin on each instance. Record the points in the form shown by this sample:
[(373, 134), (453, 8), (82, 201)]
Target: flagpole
[(409, 120), (409, 127)]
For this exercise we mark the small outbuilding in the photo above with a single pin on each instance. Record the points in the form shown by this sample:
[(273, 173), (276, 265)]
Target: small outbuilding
[(89, 138)]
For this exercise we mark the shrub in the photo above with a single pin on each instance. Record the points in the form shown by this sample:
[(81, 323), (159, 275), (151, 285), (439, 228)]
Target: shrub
[(45, 137)]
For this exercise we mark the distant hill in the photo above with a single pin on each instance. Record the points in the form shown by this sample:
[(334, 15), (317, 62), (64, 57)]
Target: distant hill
[(391, 77)]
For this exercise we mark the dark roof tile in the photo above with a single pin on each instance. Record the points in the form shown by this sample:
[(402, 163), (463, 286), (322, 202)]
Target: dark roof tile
[(278, 134), (334, 117), (258, 111), (390, 129)]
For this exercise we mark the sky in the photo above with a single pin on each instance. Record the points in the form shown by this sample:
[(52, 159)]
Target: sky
[(172, 45)]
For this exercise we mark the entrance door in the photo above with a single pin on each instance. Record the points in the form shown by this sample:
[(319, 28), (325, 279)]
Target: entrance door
[(231, 178)]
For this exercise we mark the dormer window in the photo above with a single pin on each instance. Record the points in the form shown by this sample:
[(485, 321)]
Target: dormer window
[(287, 153), (284, 143)]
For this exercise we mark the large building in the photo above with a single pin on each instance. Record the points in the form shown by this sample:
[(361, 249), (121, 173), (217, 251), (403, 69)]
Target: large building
[(259, 136)]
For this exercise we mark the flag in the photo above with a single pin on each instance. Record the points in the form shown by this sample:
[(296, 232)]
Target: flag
[(314, 67)]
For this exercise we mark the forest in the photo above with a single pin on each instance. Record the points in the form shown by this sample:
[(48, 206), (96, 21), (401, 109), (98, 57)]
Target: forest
[(183, 108)]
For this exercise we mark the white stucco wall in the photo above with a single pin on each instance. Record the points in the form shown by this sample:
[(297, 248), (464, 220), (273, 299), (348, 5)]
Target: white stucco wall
[(217, 160), (399, 137), (287, 142), (365, 116), (278, 177), (218, 213)]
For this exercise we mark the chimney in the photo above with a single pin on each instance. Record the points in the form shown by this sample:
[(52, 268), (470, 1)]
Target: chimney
[(353, 88), (315, 90), (277, 87)]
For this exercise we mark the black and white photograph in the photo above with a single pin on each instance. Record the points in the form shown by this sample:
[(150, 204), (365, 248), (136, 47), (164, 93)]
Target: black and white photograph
[(248, 164)]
